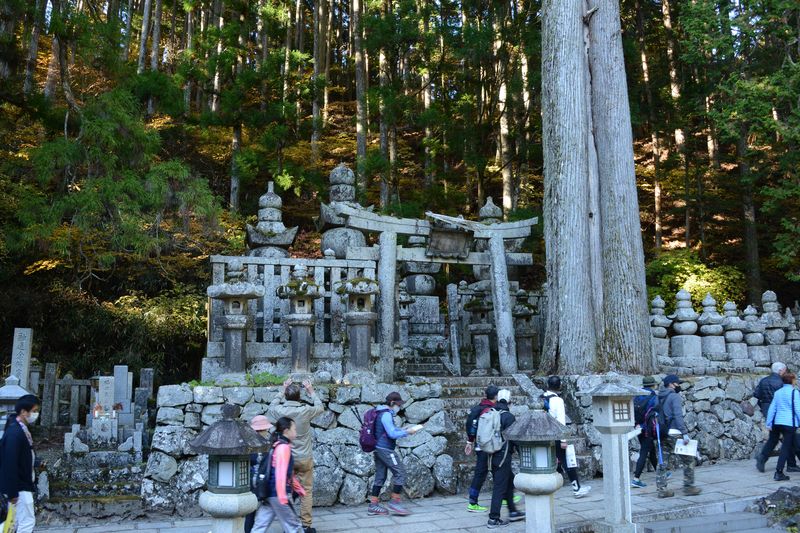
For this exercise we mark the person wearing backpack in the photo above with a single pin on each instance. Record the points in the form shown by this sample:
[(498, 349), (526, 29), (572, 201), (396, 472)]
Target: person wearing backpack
[(386, 458), (277, 482), (764, 393), (16, 462), (302, 414), (784, 416), (645, 412), (554, 405), (481, 457), (262, 426), (671, 428), (489, 437)]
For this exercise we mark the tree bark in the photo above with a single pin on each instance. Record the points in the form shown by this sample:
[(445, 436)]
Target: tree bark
[(503, 109), (51, 82), (570, 346), (287, 53), (383, 78), (316, 117), (752, 260), (154, 50), (361, 104), (187, 90), (126, 46), (425, 90), (220, 22), (33, 49), (143, 39), (236, 142), (625, 345)]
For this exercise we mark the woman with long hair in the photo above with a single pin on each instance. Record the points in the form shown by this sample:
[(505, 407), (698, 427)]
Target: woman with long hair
[(784, 416), (281, 483)]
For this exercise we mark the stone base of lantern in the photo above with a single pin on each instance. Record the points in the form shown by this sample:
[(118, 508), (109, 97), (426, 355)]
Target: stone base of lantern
[(539, 505), (228, 510)]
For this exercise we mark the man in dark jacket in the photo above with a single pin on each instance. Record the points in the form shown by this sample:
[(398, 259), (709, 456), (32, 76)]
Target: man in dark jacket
[(482, 459), (16, 462), (502, 476), (672, 428), (763, 393)]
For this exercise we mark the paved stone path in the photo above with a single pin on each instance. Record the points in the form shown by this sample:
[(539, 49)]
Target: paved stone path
[(727, 487)]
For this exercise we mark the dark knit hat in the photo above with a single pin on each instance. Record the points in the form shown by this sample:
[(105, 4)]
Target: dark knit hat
[(491, 392)]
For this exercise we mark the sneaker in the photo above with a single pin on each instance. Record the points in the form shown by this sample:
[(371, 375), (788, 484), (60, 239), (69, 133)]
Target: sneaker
[(398, 509), (476, 508), (760, 462), (666, 493), (692, 491), (669, 474), (494, 524), (793, 468), (780, 476), (638, 484), (581, 492), (513, 516), (517, 499), (377, 509)]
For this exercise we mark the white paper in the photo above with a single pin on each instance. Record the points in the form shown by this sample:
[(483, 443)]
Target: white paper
[(572, 461), (225, 474), (686, 449), (415, 428), (541, 455)]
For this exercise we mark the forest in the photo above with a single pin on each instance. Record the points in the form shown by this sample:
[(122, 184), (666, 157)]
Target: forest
[(137, 135)]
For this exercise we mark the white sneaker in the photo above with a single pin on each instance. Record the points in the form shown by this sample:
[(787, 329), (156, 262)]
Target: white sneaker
[(583, 491)]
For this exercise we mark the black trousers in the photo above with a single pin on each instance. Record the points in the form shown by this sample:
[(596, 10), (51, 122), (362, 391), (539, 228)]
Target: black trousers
[(787, 448), (772, 441), (647, 450), (561, 455), (503, 484), (249, 522), (479, 477)]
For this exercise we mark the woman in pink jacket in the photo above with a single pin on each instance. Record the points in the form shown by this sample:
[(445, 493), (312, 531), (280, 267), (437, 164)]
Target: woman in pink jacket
[(282, 483)]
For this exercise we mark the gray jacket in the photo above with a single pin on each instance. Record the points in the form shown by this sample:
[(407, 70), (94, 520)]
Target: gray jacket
[(671, 411)]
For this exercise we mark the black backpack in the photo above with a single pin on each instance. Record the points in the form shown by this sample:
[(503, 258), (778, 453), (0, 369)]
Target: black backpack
[(259, 485), (641, 404)]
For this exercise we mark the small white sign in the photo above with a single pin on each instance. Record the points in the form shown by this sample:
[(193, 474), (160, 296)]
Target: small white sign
[(225, 474), (689, 449), (572, 461)]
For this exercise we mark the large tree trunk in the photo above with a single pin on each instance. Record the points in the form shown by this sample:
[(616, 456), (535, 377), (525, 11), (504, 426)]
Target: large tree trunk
[(752, 261), (316, 93), (33, 49), (220, 22), (625, 345), (383, 78), (361, 104), (503, 108), (328, 32), (570, 342), (425, 91), (51, 82), (155, 59), (287, 53), (236, 142), (143, 39), (126, 44), (8, 29), (187, 90)]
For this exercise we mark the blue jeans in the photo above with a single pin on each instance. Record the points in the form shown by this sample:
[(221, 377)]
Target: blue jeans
[(479, 477)]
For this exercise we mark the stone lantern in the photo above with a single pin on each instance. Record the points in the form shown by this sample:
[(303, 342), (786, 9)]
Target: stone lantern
[(480, 327), (536, 433), (359, 318), (523, 330), (9, 394), (228, 444), (235, 293), (612, 410), (404, 301), (301, 294)]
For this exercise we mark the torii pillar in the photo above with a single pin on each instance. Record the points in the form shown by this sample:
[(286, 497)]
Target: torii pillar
[(504, 322)]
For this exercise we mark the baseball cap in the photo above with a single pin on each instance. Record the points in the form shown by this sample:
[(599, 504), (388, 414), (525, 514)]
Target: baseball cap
[(671, 378), (504, 394), (394, 397)]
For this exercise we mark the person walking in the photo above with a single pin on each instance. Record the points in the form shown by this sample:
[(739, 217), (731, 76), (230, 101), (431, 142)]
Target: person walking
[(16, 462), (764, 392), (672, 428), (288, 405), (554, 405), (281, 482), (481, 457), (645, 407), (387, 459), (262, 426), (784, 416), (502, 475)]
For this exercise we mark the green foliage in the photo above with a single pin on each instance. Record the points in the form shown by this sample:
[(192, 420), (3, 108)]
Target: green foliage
[(672, 271)]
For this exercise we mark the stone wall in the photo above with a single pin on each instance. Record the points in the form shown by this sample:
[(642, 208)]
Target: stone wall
[(343, 473)]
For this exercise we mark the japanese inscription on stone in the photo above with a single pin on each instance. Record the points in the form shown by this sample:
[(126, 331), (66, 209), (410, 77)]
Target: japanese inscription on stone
[(21, 355)]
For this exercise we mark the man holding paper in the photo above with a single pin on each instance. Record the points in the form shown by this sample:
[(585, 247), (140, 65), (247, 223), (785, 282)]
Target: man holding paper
[(675, 443)]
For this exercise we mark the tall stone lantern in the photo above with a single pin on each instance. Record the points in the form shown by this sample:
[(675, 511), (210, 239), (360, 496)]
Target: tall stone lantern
[(612, 410), (524, 331), (235, 293), (481, 328), (228, 444), (536, 433), (9, 394), (360, 318), (301, 294)]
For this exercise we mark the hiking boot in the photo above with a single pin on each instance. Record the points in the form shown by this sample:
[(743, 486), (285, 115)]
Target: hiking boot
[(760, 462), (666, 493), (397, 508), (692, 491), (494, 524), (476, 508), (638, 484), (581, 492), (517, 499), (377, 509), (780, 476), (513, 516)]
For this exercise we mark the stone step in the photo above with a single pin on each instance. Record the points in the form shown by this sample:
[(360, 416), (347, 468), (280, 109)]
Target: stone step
[(477, 381), (476, 392), (721, 523)]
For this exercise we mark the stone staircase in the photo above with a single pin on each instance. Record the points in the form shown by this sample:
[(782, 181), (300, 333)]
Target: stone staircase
[(741, 522), (426, 364)]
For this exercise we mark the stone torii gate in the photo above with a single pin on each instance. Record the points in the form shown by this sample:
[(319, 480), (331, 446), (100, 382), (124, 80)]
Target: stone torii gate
[(449, 241)]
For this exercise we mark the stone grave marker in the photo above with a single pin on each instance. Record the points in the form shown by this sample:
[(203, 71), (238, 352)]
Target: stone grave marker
[(121, 387), (21, 355), (105, 393), (146, 378)]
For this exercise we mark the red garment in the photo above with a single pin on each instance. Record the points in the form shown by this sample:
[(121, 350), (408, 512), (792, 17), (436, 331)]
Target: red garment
[(280, 464)]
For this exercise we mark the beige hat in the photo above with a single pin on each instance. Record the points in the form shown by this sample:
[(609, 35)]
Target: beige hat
[(260, 423)]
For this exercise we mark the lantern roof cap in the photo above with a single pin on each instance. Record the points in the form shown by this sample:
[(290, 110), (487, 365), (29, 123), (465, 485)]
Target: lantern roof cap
[(229, 436), (612, 390), (535, 426), (11, 390)]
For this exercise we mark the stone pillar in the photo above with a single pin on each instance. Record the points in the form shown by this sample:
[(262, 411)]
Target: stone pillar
[(387, 277), (792, 336), (734, 338), (539, 501), (524, 331), (360, 318), (404, 313), (775, 332), (685, 346), (301, 340), (501, 298), (616, 483), (480, 329), (659, 325), (754, 337), (301, 294), (712, 341), (454, 318)]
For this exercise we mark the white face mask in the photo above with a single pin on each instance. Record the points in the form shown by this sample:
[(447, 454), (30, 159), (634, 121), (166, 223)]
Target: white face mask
[(396, 409), (33, 417)]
